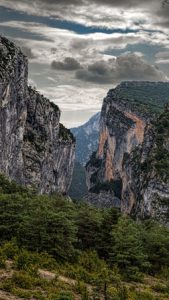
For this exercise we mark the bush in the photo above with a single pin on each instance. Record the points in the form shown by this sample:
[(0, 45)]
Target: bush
[(62, 296), (161, 288), (2, 259), (23, 280), (21, 293), (10, 249), (82, 290), (144, 296), (23, 261)]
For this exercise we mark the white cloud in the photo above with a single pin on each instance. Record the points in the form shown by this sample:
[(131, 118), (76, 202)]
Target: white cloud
[(78, 99), (162, 57), (77, 103)]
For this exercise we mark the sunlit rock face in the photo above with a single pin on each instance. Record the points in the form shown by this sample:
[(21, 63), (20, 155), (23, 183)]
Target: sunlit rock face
[(121, 131), (35, 149), (132, 160)]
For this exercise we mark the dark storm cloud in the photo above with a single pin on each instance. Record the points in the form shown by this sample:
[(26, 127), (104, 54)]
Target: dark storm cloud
[(165, 2), (69, 64), (98, 72), (125, 67)]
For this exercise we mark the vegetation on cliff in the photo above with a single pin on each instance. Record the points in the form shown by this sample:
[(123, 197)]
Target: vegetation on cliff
[(92, 253), (7, 53), (160, 155), (146, 97), (65, 134)]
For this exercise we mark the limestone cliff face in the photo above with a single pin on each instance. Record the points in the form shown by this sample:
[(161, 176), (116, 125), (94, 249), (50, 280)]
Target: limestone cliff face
[(122, 129), (147, 170), (35, 150), (132, 160)]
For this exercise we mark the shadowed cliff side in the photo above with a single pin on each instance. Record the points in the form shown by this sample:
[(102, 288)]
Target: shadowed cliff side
[(148, 172)]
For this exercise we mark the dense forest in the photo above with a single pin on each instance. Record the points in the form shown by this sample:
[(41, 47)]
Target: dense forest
[(92, 253)]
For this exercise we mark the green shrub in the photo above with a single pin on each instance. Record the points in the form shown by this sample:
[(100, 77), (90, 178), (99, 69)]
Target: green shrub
[(160, 288), (21, 293), (7, 285), (164, 274), (10, 249), (23, 280), (2, 259), (144, 295), (23, 261), (62, 296), (82, 290)]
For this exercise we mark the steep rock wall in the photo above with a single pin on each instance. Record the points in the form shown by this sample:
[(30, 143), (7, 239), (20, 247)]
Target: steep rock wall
[(35, 150), (132, 160), (121, 131), (147, 169)]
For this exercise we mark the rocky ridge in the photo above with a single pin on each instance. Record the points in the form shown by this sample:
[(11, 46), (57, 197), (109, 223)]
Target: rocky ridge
[(128, 138), (35, 149)]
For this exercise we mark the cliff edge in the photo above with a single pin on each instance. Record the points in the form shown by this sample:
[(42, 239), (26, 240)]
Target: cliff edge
[(35, 149)]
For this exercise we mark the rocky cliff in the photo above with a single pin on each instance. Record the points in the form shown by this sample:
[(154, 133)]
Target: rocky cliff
[(148, 171), (35, 150), (126, 140)]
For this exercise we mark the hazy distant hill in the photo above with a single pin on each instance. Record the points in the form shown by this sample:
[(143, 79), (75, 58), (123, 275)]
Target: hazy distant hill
[(86, 138), (86, 142)]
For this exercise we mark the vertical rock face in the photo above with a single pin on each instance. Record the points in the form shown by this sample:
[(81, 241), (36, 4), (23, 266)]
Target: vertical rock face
[(132, 160), (35, 150), (121, 131), (148, 171), (13, 111)]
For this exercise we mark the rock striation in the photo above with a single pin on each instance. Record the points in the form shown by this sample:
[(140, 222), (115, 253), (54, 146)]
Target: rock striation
[(121, 130), (131, 162), (35, 149), (147, 168)]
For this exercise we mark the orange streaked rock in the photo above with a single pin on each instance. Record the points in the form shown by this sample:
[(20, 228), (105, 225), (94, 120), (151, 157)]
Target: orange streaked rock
[(139, 127), (109, 166), (102, 140)]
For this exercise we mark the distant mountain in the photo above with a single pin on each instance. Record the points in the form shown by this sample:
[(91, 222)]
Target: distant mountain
[(86, 142), (86, 139)]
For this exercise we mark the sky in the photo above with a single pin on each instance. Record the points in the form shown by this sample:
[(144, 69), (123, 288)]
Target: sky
[(79, 49)]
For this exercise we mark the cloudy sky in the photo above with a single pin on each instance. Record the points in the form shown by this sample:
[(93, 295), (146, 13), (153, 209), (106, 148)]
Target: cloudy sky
[(78, 49)]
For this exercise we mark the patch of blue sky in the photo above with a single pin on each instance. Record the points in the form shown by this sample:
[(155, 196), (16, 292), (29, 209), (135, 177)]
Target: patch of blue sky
[(21, 33), (9, 15), (148, 50)]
